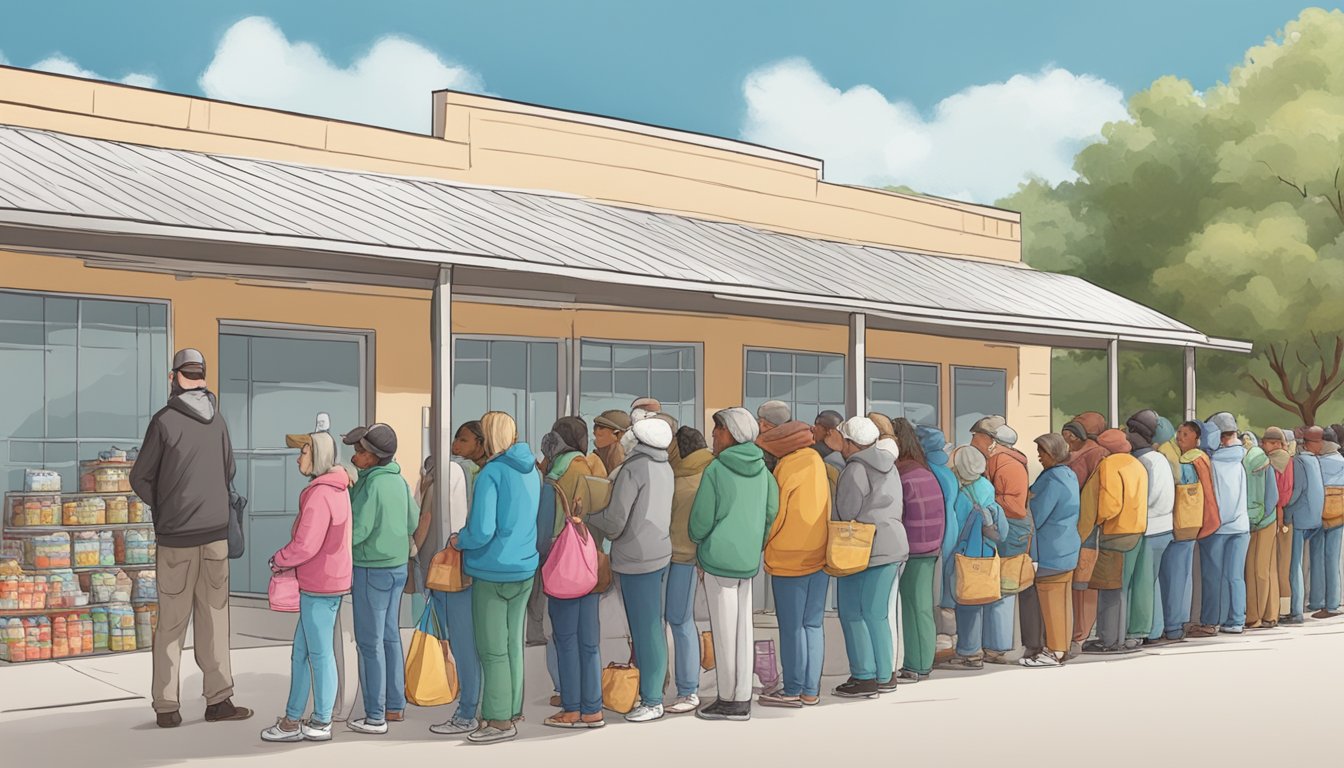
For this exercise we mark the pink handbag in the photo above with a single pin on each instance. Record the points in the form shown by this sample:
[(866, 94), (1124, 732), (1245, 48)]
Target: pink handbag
[(571, 567), (283, 592)]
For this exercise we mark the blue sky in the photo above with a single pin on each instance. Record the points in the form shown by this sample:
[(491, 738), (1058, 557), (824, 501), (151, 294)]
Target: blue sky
[(692, 64)]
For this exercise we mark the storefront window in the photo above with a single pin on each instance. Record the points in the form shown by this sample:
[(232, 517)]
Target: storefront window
[(612, 375), (520, 378), (810, 383), (976, 393), (904, 389), (77, 377)]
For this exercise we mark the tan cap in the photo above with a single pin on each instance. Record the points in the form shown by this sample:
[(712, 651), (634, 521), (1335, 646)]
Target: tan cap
[(298, 441)]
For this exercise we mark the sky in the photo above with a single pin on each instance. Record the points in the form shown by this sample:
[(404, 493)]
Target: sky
[(960, 98)]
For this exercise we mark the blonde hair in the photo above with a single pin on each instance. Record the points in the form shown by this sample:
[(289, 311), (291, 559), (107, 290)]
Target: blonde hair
[(501, 432), (884, 426)]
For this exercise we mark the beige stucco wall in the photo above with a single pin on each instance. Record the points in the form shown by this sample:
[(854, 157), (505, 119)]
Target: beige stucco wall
[(493, 142), (400, 323)]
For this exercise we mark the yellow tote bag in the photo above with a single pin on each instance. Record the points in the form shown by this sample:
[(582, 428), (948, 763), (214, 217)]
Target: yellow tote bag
[(431, 673), (979, 580), (849, 545), (1188, 514), (707, 662), (620, 686)]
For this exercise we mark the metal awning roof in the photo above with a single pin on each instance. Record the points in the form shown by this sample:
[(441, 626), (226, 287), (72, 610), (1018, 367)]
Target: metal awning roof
[(78, 184)]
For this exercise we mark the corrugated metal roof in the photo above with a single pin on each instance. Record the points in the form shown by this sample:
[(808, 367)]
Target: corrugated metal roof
[(45, 172)]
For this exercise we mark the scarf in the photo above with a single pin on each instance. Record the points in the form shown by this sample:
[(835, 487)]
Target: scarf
[(785, 439), (1280, 460)]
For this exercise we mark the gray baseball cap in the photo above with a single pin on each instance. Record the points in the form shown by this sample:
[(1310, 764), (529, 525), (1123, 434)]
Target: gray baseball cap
[(189, 359), (378, 439)]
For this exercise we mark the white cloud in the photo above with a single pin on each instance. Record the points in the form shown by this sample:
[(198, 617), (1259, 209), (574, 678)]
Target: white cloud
[(62, 65), (977, 145), (389, 85)]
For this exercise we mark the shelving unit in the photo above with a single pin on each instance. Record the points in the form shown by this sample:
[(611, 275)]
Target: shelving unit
[(9, 532)]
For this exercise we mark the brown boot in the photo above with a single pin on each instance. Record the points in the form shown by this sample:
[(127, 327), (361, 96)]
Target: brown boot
[(224, 711), (169, 719), (395, 717)]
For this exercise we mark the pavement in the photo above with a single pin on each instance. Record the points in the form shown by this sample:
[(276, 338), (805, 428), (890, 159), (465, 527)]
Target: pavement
[(1256, 699)]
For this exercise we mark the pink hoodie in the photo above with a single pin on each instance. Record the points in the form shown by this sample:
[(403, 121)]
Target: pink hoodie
[(320, 548)]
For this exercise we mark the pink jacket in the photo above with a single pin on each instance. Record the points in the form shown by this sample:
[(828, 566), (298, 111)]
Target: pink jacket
[(319, 551)]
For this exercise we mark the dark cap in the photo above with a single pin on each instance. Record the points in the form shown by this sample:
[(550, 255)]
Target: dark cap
[(378, 439), (189, 361)]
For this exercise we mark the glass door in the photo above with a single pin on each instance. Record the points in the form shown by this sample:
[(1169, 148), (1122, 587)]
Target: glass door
[(274, 382)]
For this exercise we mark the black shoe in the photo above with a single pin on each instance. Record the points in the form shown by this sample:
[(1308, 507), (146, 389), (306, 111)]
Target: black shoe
[(857, 689), (716, 710), (169, 719), (739, 711), (224, 711), (889, 686), (911, 676), (1293, 621)]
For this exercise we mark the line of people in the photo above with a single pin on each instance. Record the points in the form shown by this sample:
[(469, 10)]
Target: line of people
[(1104, 539)]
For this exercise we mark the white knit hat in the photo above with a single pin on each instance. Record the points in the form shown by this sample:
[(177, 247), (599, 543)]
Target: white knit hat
[(860, 430), (740, 424), (654, 433)]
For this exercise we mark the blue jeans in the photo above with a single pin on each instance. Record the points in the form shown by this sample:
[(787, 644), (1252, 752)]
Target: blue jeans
[(382, 676), (981, 627), (1177, 584), (1158, 546), (681, 619), (643, 594), (865, 607), (578, 661), (1325, 545), (1301, 537), (313, 658), (455, 623), (800, 606), (1222, 579)]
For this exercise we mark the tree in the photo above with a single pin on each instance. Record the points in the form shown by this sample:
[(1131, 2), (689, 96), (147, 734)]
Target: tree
[(1223, 209), (1300, 395)]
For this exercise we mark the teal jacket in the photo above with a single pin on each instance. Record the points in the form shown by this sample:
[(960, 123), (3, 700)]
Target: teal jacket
[(733, 512), (385, 515)]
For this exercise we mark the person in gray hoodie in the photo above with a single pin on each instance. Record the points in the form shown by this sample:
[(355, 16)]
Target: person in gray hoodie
[(184, 473), (639, 521), (869, 491)]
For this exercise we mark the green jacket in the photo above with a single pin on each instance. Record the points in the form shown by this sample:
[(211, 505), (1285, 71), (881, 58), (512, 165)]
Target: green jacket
[(385, 516), (733, 512)]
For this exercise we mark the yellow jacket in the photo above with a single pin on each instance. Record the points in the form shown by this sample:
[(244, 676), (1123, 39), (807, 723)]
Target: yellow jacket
[(796, 545), (1173, 455), (1122, 495)]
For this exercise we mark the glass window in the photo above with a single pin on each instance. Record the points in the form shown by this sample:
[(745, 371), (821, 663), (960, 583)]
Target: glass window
[(904, 389), (976, 393), (615, 374), (809, 382), (77, 376), (520, 378)]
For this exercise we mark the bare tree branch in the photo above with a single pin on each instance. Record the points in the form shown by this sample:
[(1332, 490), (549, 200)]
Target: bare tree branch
[(1305, 390)]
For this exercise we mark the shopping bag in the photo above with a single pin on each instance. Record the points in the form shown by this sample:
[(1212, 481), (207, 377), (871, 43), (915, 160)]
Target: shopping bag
[(1109, 572), (707, 651), (283, 592), (1188, 514), (979, 579), (1332, 516), (431, 672), (849, 545), (1016, 574), (620, 686), (570, 570), (445, 572), (594, 493)]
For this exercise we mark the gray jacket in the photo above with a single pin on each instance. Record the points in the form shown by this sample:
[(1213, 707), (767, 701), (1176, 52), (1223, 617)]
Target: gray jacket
[(639, 518), (184, 471), (869, 491)]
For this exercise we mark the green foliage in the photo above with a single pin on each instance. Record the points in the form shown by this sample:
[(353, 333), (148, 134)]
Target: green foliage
[(1224, 209)]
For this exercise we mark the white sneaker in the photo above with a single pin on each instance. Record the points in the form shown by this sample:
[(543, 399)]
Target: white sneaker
[(645, 714), (316, 733), (276, 733), (362, 725), (455, 727), (1042, 660), (684, 705), (489, 734)]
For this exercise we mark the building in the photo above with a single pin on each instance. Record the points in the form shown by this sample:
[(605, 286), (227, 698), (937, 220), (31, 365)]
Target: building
[(576, 262)]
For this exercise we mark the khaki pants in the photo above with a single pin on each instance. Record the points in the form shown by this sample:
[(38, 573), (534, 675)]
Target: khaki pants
[(193, 585), (1262, 578), (1084, 613), (1046, 610), (1284, 543)]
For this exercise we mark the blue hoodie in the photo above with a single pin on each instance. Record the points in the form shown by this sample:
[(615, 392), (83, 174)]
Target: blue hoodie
[(499, 542), (1229, 488), (1305, 506), (1054, 507)]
